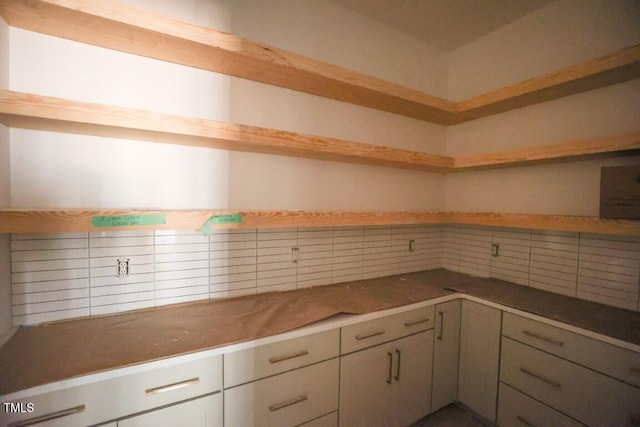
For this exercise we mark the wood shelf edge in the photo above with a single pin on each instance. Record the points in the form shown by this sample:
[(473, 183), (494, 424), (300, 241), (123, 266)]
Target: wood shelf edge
[(613, 68), (103, 23), (568, 150), (79, 220), (61, 115)]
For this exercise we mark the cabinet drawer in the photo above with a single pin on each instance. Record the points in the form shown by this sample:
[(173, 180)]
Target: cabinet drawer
[(329, 420), (114, 398), (519, 410), (606, 358), (287, 399), (254, 363), (583, 394), (202, 412), (372, 332)]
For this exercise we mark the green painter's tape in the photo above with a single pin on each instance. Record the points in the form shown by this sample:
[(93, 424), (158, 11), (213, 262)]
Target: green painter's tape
[(127, 220), (235, 218)]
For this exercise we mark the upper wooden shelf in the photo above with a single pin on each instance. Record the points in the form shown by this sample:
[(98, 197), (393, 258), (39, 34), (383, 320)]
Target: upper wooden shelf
[(39, 112), (74, 220), (121, 27)]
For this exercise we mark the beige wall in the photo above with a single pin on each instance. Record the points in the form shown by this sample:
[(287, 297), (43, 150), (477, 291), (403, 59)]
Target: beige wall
[(560, 34), (50, 169)]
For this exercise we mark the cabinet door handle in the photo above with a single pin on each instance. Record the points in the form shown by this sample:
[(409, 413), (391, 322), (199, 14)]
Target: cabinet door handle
[(390, 366), (543, 338), (174, 386), (293, 401), (441, 331), (416, 322), (372, 334), (541, 378), (525, 421), (397, 377), (49, 417), (288, 356)]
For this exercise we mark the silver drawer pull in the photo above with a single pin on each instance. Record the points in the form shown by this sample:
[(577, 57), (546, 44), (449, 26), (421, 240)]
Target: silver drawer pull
[(288, 356), (48, 417), (525, 421), (293, 401), (543, 338), (416, 322), (173, 386), (541, 378), (441, 333), (373, 334), (634, 370)]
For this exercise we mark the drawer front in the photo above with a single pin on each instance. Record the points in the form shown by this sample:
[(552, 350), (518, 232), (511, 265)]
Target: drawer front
[(252, 364), (581, 393), (373, 332), (606, 358), (118, 397), (288, 399), (329, 420), (516, 409), (203, 412)]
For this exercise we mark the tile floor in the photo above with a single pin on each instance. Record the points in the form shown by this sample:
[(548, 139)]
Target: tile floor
[(452, 416)]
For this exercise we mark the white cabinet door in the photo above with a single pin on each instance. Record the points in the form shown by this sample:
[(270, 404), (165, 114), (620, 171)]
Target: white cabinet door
[(479, 358), (202, 412), (412, 378), (365, 387), (387, 385), (446, 349)]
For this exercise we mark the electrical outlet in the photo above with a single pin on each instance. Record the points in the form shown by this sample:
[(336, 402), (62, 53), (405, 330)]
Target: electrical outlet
[(412, 245), (123, 267), (295, 255), (495, 247)]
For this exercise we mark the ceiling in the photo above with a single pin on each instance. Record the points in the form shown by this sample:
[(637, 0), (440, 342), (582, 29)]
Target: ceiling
[(445, 24)]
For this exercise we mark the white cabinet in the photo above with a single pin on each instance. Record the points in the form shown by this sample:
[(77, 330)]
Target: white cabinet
[(388, 384), (202, 412), (584, 378), (446, 349), (516, 409), (479, 358), (287, 399)]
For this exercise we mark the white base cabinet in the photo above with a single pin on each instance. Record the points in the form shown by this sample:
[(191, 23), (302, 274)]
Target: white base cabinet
[(479, 358), (387, 385), (202, 412), (446, 349)]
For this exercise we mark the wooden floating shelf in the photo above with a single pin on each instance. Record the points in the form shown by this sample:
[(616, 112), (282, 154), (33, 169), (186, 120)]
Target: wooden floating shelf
[(57, 221), (38, 112), (60, 115), (132, 30)]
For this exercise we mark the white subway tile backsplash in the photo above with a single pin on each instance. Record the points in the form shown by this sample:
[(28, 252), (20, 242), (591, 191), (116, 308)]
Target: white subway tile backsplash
[(234, 268), (609, 270), (68, 275), (554, 261), (512, 262)]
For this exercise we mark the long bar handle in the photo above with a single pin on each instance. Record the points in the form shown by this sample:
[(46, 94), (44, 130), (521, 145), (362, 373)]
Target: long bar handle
[(288, 356), (49, 417), (441, 330), (541, 378), (390, 366), (397, 376), (416, 322), (372, 334), (525, 421), (543, 338), (174, 386), (293, 401)]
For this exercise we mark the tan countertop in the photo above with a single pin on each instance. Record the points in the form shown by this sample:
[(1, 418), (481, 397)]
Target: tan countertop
[(47, 353)]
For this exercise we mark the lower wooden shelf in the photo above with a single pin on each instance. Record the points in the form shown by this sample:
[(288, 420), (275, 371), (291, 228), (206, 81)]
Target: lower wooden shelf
[(58, 221)]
